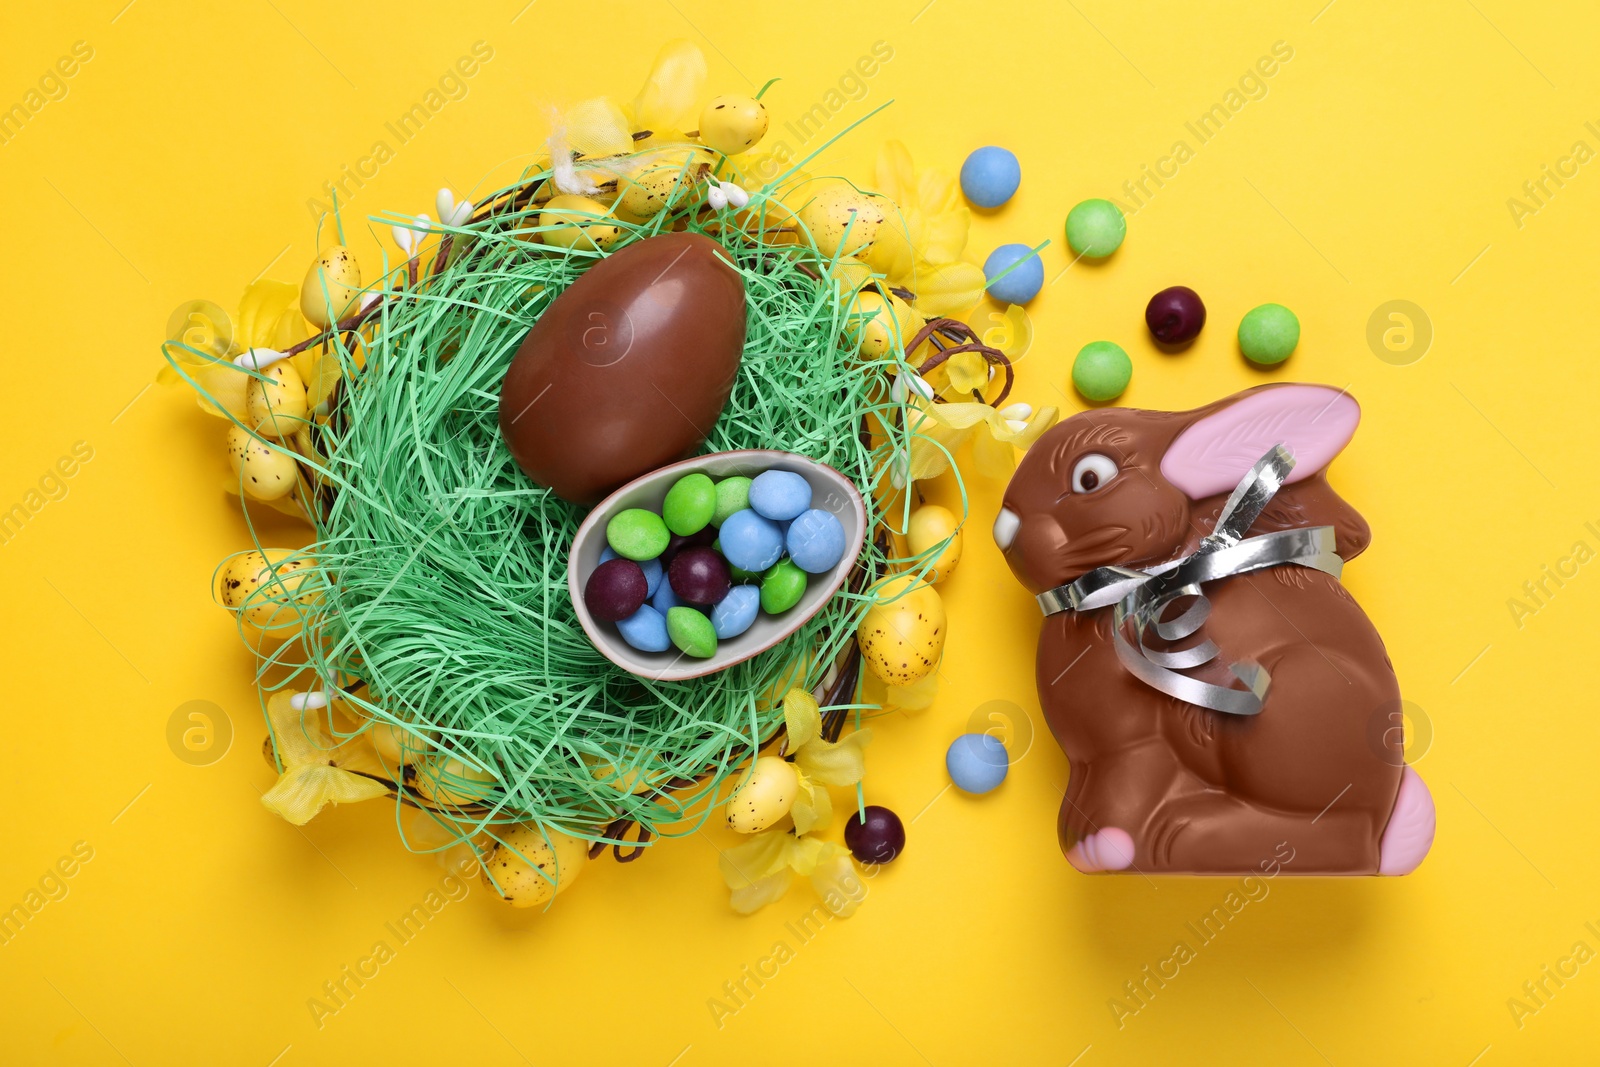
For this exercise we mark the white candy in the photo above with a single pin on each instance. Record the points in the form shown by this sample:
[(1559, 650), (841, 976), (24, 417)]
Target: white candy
[(315, 700), (716, 198), (1016, 411), (735, 194)]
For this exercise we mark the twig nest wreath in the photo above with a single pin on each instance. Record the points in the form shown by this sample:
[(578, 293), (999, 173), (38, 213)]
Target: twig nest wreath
[(651, 290)]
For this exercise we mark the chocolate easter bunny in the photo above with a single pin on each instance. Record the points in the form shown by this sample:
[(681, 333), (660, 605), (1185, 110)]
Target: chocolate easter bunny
[(1307, 750)]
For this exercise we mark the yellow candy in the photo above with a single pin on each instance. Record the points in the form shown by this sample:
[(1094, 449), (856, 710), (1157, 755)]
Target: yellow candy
[(840, 215), (880, 333), (276, 407), (331, 287), (931, 524), (573, 226), (901, 642), (263, 588), (766, 796), (733, 124), (264, 472), (529, 870)]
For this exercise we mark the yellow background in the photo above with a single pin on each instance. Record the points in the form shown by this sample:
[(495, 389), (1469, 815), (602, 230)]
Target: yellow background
[(1377, 167)]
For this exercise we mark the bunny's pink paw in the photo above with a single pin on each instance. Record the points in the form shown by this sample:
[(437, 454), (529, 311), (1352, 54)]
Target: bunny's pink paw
[(1409, 835), (1109, 849)]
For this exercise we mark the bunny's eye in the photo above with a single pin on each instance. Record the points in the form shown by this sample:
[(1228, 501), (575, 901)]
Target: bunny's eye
[(1093, 472)]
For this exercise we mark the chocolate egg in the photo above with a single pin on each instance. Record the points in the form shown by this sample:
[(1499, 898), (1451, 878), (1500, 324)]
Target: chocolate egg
[(628, 369)]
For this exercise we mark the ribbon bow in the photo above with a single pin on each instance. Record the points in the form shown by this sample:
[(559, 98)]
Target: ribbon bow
[(1139, 598)]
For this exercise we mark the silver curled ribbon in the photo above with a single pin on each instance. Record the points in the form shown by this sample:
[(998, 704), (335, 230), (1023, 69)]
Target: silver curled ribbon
[(1138, 599)]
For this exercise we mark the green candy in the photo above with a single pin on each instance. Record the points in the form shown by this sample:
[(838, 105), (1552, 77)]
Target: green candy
[(637, 534), (1095, 228), (733, 494), (1268, 334), (1101, 371), (692, 632), (689, 505), (782, 587)]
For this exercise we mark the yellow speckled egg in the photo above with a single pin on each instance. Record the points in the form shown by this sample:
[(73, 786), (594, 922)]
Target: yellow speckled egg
[(264, 472), (765, 797), (276, 407), (902, 634), (841, 215), (331, 287), (263, 587), (573, 226), (529, 865), (453, 782), (398, 746), (931, 524), (630, 774), (659, 181), (881, 324), (733, 124)]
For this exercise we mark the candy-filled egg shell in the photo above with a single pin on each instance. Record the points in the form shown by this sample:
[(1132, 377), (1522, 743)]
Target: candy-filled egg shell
[(766, 796)]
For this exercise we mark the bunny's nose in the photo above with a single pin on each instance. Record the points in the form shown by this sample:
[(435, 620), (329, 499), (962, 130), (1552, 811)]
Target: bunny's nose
[(1005, 528)]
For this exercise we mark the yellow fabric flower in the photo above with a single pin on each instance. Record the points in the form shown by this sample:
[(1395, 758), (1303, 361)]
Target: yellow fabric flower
[(920, 247), (314, 768), (950, 425), (667, 106), (668, 102), (761, 869), (268, 317), (819, 763)]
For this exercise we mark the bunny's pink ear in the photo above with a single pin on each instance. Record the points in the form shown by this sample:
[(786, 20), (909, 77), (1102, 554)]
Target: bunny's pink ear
[(1212, 454)]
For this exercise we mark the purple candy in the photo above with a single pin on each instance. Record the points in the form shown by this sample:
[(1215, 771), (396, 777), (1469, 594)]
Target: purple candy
[(615, 590), (879, 839), (1175, 315), (699, 576)]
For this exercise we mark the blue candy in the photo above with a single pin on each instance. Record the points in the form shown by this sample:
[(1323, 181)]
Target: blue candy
[(990, 176), (735, 612), (816, 541), (750, 541), (779, 495), (1020, 285), (665, 600), (651, 567), (977, 762), (646, 630)]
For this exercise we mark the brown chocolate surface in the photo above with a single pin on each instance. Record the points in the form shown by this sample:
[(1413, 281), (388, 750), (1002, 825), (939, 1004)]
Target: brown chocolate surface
[(1196, 790), (628, 369)]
